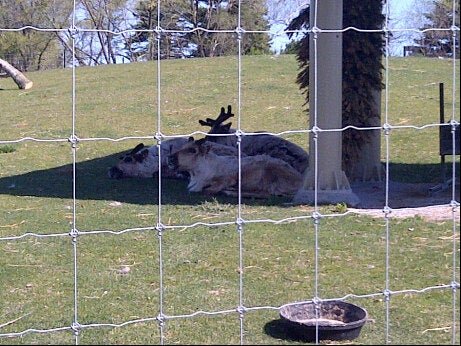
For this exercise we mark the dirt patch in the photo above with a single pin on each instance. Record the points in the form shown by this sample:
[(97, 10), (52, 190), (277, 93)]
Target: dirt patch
[(407, 200)]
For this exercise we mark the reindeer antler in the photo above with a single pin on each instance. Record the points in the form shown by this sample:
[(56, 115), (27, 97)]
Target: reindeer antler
[(222, 117)]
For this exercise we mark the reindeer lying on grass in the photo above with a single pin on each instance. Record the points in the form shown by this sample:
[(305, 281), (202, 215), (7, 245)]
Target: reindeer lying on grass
[(261, 175), (142, 161), (271, 165), (251, 145)]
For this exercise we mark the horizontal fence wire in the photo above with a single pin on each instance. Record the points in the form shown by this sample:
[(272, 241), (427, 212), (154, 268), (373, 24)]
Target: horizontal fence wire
[(159, 30), (385, 128), (239, 223)]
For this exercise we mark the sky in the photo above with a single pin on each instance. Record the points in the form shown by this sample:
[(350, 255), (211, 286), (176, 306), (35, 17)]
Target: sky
[(397, 11)]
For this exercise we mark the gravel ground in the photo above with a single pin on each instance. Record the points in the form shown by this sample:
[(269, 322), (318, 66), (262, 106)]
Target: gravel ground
[(406, 200)]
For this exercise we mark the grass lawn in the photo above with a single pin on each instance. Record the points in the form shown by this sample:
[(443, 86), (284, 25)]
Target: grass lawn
[(199, 257)]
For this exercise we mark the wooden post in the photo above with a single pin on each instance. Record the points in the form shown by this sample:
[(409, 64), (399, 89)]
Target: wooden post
[(18, 77), (442, 120)]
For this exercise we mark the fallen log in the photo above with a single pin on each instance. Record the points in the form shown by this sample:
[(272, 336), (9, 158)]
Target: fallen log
[(18, 77)]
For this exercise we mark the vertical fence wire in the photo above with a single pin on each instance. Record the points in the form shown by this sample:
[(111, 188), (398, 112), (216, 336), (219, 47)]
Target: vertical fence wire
[(160, 228), (74, 143), (316, 219), (387, 209), (239, 221), (454, 204)]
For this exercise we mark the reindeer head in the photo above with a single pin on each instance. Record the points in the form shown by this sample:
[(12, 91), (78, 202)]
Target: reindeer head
[(132, 164), (187, 157), (143, 161)]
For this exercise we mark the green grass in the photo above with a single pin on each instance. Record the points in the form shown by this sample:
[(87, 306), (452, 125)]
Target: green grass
[(200, 264), (5, 149)]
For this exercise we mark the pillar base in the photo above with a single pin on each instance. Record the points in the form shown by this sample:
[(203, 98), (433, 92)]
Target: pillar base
[(304, 196)]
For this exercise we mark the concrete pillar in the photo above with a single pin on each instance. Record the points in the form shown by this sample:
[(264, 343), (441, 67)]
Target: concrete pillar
[(325, 84)]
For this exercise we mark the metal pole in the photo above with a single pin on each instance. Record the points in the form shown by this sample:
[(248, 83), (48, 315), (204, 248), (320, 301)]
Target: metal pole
[(325, 181)]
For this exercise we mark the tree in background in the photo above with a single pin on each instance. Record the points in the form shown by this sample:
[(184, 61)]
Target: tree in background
[(362, 83), (254, 17), (291, 47), (435, 42), (103, 40), (30, 49), (102, 47), (190, 15), (143, 45)]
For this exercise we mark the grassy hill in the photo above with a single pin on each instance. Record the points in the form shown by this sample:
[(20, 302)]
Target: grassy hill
[(121, 100), (200, 263)]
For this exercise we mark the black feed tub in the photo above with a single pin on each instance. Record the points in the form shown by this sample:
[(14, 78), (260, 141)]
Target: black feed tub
[(337, 320)]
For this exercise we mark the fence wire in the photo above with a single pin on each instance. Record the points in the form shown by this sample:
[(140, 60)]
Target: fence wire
[(240, 222)]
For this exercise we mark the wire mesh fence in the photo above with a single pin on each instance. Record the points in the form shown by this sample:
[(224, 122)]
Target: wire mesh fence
[(239, 222)]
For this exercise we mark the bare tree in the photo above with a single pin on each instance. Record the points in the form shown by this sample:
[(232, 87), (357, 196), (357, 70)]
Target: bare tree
[(105, 17), (409, 17), (441, 16), (26, 49)]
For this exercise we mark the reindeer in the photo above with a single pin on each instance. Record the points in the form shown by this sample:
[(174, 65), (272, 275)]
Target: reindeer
[(251, 145), (261, 175), (142, 161)]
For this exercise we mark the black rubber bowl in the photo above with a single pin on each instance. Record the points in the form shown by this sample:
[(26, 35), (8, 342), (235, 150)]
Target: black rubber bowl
[(337, 320)]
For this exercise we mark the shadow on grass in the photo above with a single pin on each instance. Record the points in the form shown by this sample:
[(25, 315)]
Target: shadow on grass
[(93, 183), (282, 330), (421, 173)]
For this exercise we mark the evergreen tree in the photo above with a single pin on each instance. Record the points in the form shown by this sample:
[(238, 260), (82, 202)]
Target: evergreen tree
[(190, 28), (292, 47)]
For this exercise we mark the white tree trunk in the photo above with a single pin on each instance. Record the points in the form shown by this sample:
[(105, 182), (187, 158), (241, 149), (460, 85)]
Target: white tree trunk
[(18, 77)]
